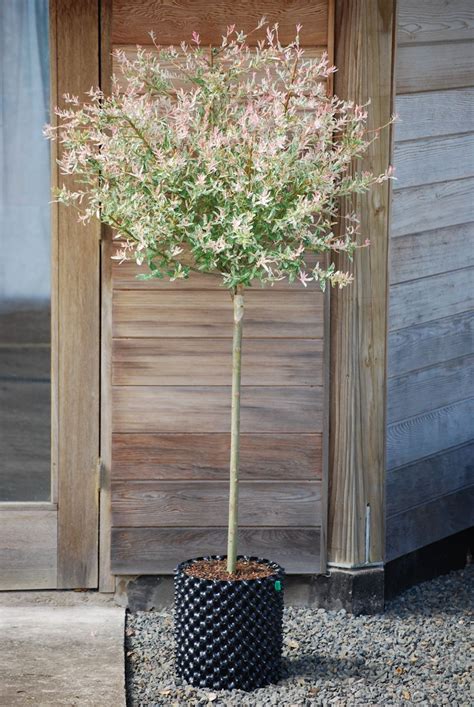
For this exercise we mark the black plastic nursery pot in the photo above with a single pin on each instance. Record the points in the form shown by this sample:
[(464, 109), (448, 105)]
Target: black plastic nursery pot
[(228, 634)]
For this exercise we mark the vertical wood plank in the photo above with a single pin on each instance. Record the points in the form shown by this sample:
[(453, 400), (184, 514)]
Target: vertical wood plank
[(364, 57), (78, 315), (327, 341), (106, 579), (53, 63)]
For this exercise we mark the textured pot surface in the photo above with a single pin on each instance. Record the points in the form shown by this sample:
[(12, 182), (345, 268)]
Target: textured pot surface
[(228, 634)]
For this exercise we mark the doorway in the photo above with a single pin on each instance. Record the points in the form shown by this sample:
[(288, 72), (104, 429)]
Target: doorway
[(49, 310)]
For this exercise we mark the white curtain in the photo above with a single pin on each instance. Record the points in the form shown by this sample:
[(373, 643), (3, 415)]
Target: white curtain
[(25, 233)]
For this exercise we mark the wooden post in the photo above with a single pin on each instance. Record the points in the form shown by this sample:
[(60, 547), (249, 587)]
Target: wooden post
[(77, 341), (364, 45), (106, 578)]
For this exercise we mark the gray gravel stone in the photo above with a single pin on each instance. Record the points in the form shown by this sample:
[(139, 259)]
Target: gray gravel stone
[(418, 652)]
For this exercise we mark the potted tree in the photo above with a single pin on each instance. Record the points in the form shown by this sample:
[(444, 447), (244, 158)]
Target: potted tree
[(230, 161)]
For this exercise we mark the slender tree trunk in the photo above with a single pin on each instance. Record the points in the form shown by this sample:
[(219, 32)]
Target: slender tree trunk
[(238, 299)]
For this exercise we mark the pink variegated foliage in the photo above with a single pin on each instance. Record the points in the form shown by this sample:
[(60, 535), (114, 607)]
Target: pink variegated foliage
[(229, 160)]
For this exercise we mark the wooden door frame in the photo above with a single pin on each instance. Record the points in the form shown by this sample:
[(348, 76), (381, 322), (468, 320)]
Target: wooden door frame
[(55, 544)]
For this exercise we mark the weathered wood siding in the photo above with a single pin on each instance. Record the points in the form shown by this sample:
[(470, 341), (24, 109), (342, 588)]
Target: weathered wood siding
[(430, 405), (171, 370)]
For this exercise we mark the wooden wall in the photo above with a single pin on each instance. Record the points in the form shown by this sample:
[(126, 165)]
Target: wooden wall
[(430, 406), (171, 374)]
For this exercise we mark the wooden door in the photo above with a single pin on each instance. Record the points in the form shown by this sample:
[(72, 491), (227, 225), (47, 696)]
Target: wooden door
[(170, 374), (53, 543)]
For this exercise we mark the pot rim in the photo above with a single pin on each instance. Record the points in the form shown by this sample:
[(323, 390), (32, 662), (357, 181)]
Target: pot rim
[(278, 573)]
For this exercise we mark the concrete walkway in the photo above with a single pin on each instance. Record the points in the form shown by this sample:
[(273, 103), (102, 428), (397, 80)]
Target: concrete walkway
[(61, 648)]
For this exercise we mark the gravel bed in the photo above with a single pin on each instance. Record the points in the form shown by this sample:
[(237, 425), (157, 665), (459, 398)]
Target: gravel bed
[(418, 652)]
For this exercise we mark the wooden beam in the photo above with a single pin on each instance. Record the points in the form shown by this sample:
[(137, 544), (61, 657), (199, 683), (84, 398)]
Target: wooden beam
[(205, 457), (78, 317), (364, 57), (174, 21)]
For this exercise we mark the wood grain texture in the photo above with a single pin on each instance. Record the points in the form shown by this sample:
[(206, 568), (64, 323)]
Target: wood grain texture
[(54, 256), (430, 522), (209, 362), (428, 479), (434, 113), (138, 504), (432, 206), (174, 20), (206, 456), (438, 159), (429, 388), (77, 51), (430, 343), (158, 550), (434, 67), (434, 20), (438, 296), (428, 253), (106, 579), (209, 314), (430, 433), (28, 548), (364, 47), (125, 278), (205, 409)]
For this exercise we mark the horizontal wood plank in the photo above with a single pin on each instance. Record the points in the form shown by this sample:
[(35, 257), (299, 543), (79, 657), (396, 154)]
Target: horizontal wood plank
[(206, 456), (430, 522), (429, 479), (434, 20), (28, 549), (209, 362), (430, 433), (174, 20), (209, 314), (434, 113), (432, 206), (205, 504), (203, 409), (434, 67), (124, 276), (158, 550), (430, 160), (430, 343), (419, 301), (429, 388), (431, 252)]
